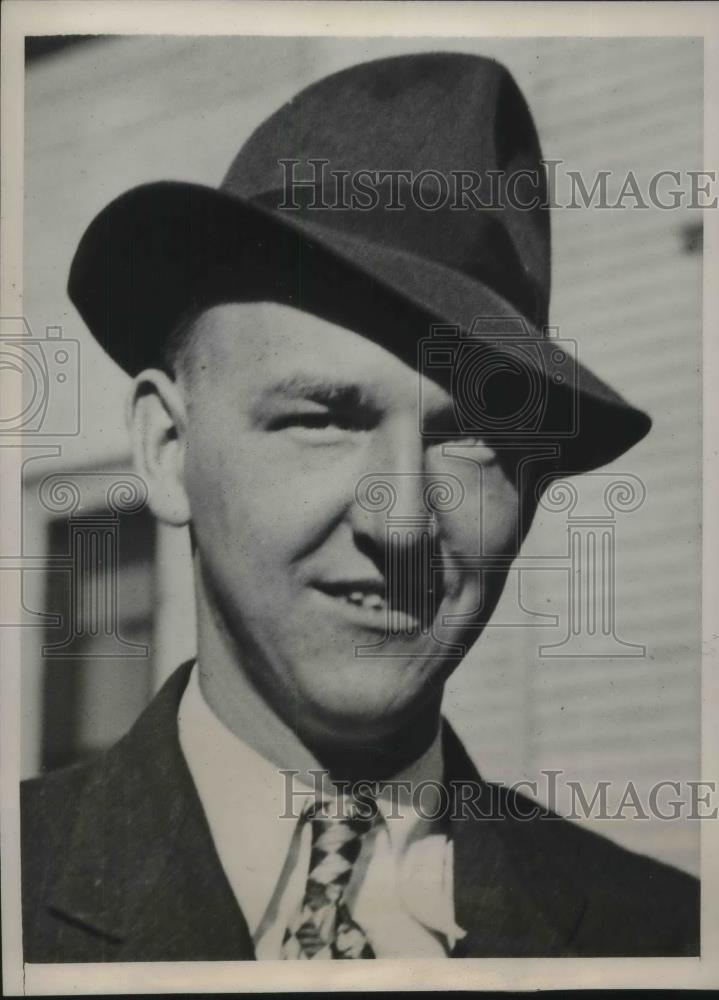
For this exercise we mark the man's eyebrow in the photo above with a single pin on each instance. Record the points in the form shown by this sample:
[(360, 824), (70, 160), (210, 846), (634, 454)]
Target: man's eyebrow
[(320, 389)]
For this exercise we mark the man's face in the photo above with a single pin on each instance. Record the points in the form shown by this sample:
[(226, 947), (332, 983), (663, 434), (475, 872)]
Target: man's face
[(293, 425)]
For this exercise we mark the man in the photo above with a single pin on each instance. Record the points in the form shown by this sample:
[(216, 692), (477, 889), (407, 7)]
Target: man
[(336, 481)]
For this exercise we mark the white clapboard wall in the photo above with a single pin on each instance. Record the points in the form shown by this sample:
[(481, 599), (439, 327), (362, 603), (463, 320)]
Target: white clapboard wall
[(108, 114)]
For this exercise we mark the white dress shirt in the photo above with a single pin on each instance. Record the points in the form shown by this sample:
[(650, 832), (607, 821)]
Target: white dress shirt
[(401, 890)]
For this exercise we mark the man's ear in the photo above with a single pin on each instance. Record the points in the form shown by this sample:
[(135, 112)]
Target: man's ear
[(157, 419)]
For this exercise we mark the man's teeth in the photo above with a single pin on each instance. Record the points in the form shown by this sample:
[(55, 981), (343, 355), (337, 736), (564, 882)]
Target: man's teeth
[(372, 601)]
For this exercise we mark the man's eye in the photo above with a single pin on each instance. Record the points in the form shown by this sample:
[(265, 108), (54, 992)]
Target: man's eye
[(325, 424), (467, 440), (471, 446)]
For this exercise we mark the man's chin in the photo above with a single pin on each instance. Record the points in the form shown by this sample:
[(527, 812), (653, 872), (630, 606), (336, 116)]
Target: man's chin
[(375, 701)]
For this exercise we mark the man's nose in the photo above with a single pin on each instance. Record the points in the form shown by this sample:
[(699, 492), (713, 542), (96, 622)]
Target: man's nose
[(396, 519), (393, 482), (400, 497)]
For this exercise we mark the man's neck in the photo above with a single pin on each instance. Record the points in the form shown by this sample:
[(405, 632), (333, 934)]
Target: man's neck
[(241, 708), (381, 760)]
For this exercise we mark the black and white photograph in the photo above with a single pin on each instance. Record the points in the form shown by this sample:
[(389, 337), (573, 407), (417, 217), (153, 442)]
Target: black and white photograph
[(357, 477)]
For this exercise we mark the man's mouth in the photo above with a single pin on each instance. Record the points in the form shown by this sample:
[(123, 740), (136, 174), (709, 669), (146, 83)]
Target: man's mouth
[(372, 602), (368, 594)]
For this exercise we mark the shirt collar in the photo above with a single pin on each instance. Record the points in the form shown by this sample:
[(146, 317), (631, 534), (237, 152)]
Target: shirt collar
[(253, 816)]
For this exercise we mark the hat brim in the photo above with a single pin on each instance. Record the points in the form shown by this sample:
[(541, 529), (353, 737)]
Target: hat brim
[(165, 248)]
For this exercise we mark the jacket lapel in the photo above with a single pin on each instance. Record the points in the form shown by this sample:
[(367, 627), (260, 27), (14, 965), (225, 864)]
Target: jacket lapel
[(510, 897), (142, 869)]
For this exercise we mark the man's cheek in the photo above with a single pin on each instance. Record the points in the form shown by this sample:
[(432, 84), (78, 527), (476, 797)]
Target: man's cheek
[(500, 519), (461, 530)]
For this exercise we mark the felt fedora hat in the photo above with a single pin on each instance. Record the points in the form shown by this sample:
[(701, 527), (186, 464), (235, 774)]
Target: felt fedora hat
[(404, 198)]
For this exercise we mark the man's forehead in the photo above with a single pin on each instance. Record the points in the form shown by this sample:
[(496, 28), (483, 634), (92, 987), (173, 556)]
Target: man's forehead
[(260, 327), (288, 350)]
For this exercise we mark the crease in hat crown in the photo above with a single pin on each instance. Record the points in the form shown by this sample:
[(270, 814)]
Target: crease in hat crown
[(442, 112)]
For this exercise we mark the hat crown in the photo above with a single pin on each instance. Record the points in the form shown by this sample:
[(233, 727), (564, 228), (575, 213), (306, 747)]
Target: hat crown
[(169, 249), (439, 112)]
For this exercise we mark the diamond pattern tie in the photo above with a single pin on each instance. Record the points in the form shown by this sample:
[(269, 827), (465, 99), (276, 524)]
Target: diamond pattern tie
[(323, 927)]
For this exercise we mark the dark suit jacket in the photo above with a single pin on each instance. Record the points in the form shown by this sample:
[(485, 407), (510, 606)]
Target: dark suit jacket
[(118, 864)]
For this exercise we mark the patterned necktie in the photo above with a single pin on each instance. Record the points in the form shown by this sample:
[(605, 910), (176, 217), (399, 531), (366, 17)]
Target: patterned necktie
[(323, 927)]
